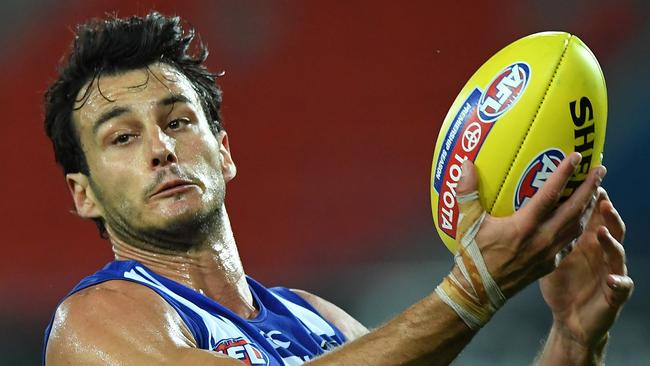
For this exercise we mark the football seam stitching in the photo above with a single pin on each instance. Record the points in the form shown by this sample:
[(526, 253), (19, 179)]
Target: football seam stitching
[(548, 87)]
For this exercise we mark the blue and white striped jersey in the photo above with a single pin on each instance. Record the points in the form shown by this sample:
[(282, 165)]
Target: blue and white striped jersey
[(287, 330)]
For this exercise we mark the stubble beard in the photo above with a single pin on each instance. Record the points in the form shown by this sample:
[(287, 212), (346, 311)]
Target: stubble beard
[(180, 234)]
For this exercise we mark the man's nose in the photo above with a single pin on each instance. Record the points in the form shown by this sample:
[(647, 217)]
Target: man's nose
[(162, 149)]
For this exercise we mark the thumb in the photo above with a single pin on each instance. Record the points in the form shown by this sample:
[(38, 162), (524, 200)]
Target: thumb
[(468, 179), (469, 205)]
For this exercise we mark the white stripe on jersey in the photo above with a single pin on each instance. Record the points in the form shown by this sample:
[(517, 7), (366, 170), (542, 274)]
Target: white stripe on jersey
[(218, 327), (311, 320)]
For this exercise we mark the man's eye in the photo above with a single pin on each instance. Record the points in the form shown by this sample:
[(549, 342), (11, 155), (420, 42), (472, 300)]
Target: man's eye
[(122, 139), (177, 124)]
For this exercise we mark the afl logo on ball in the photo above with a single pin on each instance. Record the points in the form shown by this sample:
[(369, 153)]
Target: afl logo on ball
[(504, 91), (535, 175)]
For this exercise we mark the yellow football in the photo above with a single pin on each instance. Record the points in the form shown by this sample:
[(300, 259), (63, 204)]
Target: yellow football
[(518, 116)]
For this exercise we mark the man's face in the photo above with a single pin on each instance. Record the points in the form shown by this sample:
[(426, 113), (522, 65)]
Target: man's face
[(157, 172)]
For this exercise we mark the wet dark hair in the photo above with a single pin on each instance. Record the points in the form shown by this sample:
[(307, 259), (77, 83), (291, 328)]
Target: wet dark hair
[(111, 46)]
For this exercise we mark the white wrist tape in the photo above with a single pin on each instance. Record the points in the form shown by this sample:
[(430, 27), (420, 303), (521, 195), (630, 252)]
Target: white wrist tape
[(476, 305)]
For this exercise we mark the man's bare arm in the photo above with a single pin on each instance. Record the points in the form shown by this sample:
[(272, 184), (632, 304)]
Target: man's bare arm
[(427, 333), (428, 324)]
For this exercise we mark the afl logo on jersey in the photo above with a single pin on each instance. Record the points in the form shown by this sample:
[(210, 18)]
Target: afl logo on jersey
[(535, 175), (243, 350)]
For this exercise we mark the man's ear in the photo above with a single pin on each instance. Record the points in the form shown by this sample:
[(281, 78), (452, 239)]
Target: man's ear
[(83, 196), (228, 167)]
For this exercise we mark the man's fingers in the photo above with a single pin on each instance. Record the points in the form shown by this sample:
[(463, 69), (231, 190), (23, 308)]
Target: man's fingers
[(572, 210), (622, 287), (613, 220), (613, 250), (545, 200)]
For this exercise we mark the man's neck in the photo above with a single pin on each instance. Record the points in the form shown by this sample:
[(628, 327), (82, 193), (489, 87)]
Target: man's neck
[(215, 270)]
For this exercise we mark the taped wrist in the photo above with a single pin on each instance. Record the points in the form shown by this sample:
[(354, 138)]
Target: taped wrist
[(474, 305)]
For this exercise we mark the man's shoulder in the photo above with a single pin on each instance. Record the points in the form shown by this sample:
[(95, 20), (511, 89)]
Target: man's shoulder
[(110, 298), (110, 304), (348, 325), (108, 314)]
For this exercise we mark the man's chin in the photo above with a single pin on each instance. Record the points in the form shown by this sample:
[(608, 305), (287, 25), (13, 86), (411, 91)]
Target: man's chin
[(178, 235), (176, 206), (185, 225)]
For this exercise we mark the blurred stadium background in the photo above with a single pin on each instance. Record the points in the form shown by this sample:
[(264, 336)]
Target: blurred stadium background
[(332, 108)]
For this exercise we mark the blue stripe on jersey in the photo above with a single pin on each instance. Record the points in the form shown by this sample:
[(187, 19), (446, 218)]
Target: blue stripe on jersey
[(287, 330)]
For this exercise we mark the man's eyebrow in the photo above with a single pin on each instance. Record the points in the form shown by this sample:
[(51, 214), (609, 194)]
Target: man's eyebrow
[(174, 98), (118, 111), (112, 113)]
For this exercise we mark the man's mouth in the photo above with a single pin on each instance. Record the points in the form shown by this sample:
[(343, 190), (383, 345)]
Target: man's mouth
[(172, 187)]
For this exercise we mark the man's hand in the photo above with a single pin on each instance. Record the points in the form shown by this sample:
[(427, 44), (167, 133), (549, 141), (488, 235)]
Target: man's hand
[(588, 289), (521, 248)]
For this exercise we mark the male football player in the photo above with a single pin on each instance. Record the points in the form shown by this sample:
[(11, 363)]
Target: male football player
[(135, 123)]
